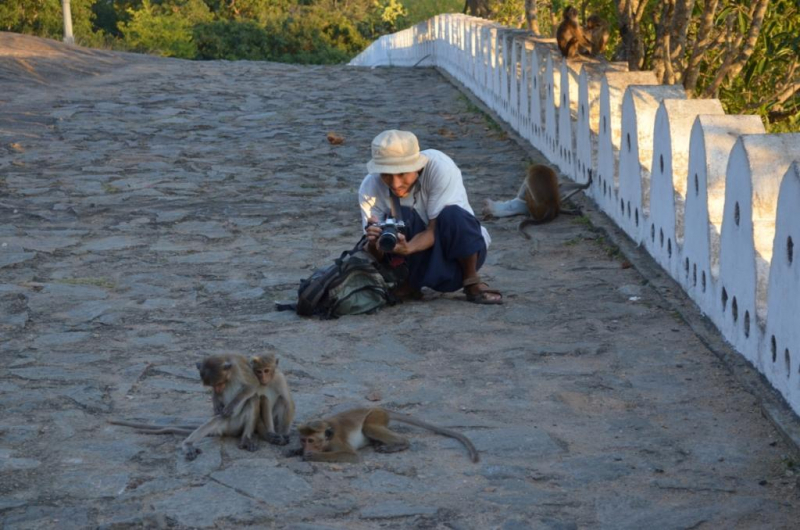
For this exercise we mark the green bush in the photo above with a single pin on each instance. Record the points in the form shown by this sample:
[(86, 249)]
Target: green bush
[(165, 29), (231, 40)]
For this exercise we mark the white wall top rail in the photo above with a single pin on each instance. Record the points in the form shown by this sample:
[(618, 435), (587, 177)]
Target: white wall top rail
[(714, 199)]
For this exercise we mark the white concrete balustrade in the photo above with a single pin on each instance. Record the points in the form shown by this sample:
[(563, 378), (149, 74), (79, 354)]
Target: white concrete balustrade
[(714, 199)]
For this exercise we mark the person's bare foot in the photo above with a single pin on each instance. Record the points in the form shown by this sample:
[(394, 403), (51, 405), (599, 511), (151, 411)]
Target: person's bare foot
[(478, 292)]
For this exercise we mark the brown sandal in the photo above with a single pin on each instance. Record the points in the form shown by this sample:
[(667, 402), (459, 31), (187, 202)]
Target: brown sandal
[(483, 296)]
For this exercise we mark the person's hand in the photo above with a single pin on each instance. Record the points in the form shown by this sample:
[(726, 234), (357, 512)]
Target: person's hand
[(401, 248), (373, 231)]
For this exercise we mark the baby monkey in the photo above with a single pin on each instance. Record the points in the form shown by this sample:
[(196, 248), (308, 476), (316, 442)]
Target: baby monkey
[(338, 438), (275, 400), (596, 31)]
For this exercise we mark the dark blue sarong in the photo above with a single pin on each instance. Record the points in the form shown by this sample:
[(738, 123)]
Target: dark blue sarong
[(458, 235)]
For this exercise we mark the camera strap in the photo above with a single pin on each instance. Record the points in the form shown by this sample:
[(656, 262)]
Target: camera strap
[(397, 211)]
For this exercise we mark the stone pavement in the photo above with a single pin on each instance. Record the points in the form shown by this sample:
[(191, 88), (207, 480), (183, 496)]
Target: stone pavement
[(153, 213)]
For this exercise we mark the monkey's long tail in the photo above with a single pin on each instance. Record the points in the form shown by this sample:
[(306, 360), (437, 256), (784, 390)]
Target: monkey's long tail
[(403, 418), (147, 428)]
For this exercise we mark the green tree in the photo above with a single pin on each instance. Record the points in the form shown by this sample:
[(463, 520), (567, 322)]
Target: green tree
[(165, 29)]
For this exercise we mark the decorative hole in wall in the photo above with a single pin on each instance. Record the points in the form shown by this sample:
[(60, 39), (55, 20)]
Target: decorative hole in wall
[(686, 266), (694, 275), (696, 185), (703, 281), (669, 247), (628, 140), (790, 249), (604, 124), (564, 99), (653, 233), (661, 163), (604, 187), (535, 84), (724, 299), (583, 111), (636, 216), (788, 360), (735, 310), (747, 324), (736, 213), (622, 205), (629, 209), (661, 236), (773, 348)]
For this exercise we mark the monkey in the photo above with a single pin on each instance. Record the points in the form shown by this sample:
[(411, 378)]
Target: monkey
[(226, 375), (596, 31), (276, 403), (538, 196), (569, 35), (337, 438)]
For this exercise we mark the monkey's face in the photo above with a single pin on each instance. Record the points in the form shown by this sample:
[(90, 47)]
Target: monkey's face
[(315, 437), (264, 374), (214, 373), (264, 368), (570, 13)]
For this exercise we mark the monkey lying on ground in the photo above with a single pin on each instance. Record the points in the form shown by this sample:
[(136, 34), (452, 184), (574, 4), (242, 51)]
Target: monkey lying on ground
[(337, 438), (596, 32), (538, 196), (227, 376), (276, 403), (569, 35)]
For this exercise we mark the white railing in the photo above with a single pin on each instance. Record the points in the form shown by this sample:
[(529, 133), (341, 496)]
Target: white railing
[(714, 199)]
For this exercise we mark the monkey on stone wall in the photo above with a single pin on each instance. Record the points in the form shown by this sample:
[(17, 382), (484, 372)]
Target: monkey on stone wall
[(569, 35)]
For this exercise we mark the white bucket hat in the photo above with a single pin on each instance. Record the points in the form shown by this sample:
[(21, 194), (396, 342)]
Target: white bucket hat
[(396, 152)]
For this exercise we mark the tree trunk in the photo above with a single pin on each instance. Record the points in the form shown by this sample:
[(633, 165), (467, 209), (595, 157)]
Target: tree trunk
[(705, 38), (531, 16)]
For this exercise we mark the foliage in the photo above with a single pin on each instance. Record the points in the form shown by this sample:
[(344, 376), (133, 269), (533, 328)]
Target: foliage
[(165, 29), (420, 10), (44, 18)]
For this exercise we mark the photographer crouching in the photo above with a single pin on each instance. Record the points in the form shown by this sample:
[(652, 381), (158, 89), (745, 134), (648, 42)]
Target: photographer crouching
[(415, 210)]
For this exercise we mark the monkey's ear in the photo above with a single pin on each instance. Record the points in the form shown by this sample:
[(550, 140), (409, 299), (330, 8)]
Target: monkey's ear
[(227, 365), (328, 433)]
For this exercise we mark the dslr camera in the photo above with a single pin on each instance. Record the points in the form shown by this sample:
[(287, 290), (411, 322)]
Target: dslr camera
[(388, 238)]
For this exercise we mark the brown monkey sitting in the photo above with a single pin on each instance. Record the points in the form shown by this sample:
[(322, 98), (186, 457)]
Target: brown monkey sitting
[(227, 376), (338, 438), (596, 32), (569, 35), (539, 197)]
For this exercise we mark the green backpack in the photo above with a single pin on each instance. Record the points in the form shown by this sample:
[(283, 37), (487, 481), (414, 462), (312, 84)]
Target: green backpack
[(354, 284)]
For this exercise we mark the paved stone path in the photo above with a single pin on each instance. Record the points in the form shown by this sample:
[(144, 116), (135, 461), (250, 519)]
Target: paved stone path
[(153, 214)]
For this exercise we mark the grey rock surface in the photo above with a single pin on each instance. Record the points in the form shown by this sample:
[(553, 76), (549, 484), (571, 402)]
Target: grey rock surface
[(154, 210)]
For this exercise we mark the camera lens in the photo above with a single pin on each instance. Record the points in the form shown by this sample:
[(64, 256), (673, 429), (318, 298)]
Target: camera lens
[(388, 239)]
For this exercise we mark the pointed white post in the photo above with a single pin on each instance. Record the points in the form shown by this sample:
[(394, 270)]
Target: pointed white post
[(68, 38)]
